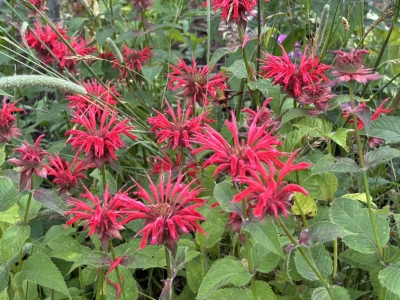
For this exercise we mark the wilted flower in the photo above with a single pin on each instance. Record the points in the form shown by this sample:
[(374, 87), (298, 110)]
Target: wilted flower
[(196, 85), (8, 127), (317, 95), (181, 131), (350, 66), (40, 6), (66, 175), (30, 162), (104, 96), (170, 211), (134, 60), (291, 77), (98, 141), (243, 155), (263, 115), (270, 196), (102, 218)]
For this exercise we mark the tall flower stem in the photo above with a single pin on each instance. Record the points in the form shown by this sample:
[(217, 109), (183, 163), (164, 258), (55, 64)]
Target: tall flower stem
[(201, 245), (110, 245), (248, 251), (312, 267), (364, 172), (168, 262)]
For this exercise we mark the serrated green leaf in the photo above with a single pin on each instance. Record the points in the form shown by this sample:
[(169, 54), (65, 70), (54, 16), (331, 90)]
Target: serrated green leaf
[(307, 204), (319, 186), (362, 197), (12, 241), (295, 113), (265, 87), (319, 258), (34, 207), (264, 291), (360, 260), (217, 55), (112, 184), (225, 271), (223, 193), (386, 128), (264, 233), (50, 200), (92, 258), (354, 218), (231, 293), (334, 292), (389, 278), (2, 154), (322, 232), (128, 286), (11, 215), (194, 274), (3, 280), (345, 165), (238, 69), (323, 165), (8, 193), (339, 137), (380, 155), (293, 138), (39, 269), (264, 261), (315, 127), (66, 248), (75, 24)]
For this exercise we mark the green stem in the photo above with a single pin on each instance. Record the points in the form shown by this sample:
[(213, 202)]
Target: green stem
[(110, 245), (168, 262), (364, 172), (201, 246), (248, 251), (312, 267), (99, 288), (208, 31)]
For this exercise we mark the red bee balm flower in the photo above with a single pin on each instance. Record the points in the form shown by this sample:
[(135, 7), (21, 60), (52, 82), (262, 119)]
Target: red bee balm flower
[(270, 197), (171, 211), (30, 162), (8, 128), (66, 175), (349, 66), (102, 218), (236, 159), (290, 76), (134, 59), (98, 142), (104, 96), (179, 132), (264, 115), (196, 85)]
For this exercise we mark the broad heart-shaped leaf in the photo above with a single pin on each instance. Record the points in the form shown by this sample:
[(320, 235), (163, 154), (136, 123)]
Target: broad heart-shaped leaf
[(380, 155), (50, 200), (150, 73), (295, 113), (339, 137), (389, 277), (8, 193), (386, 128), (264, 233), (226, 271), (39, 269), (223, 193), (334, 292), (231, 293), (264, 291), (307, 204), (354, 218), (319, 258), (12, 241), (321, 232)]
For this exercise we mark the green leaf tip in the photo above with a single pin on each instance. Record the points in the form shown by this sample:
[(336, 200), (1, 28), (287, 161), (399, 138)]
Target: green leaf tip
[(22, 81)]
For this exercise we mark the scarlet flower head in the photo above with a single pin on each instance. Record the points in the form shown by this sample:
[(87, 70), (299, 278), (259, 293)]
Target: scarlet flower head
[(30, 162), (98, 141), (8, 126), (270, 196), (243, 155), (105, 96), (290, 76), (317, 95), (263, 115), (170, 211), (39, 4), (134, 60), (66, 175), (350, 66), (181, 130), (196, 86), (69, 59), (103, 218)]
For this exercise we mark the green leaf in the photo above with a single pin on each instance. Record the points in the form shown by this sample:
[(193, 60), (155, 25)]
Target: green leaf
[(8, 193), (389, 278), (334, 292), (12, 241), (238, 69), (223, 193), (307, 204), (39, 269), (214, 226), (226, 271), (322, 232), (295, 113), (151, 72), (264, 233), (264, 291), (380, 155), (34, 207), (231, 293), (319, 186), (293, 138), (264, 261), (387, 128), (193, 273), (50, 200), (11, 215), (339, 137), (112, 184), (3, 280), (75, 24), (128, 286), (345, 165), (365, 261), (362, 197), (92, 258), (2, 154), (354, 218), (217, 55), (314, 126), (66, 248), (265, 87), (319, 258)]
